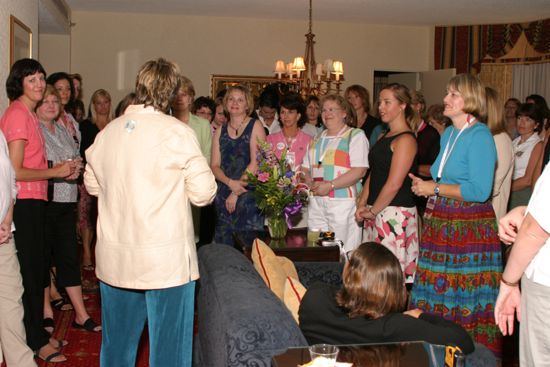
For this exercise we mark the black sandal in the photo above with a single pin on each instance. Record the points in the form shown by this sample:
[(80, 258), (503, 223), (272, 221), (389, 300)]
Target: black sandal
[(89, 325), (61, 304)]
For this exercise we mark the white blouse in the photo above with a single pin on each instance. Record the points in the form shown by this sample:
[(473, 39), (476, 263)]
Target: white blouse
[(522, 153)]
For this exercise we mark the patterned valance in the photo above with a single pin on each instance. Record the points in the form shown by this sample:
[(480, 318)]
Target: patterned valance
[(463, 47)]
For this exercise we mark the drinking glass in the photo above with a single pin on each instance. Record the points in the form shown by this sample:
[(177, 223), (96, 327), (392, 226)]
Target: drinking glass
[(324, 354), (312, 236)]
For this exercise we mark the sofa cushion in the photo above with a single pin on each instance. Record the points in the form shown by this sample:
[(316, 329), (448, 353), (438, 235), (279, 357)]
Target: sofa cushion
[(272, 268), (293, 293), (240, 321)]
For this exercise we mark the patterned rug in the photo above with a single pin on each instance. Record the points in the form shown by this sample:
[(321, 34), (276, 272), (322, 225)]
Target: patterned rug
[(83, 348)]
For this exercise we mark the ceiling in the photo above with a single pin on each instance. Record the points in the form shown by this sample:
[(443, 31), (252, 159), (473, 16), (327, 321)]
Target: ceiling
[(391, 12)]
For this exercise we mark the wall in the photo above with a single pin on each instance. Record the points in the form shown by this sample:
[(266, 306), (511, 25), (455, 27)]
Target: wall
[(108, 48), (55, 52), (27, 12)]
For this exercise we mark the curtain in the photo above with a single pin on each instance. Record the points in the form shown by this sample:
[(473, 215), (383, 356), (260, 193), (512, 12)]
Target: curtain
[(530, 79), (464, 47), (499, 77)]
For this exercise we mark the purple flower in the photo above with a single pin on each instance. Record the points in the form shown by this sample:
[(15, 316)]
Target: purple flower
[(263, 177)]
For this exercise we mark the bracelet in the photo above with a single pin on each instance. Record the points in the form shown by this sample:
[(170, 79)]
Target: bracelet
[(509, 284), (332, 188)]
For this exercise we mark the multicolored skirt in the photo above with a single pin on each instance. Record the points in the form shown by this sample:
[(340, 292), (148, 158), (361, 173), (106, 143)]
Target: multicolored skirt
[(396, 228), (459, 267)]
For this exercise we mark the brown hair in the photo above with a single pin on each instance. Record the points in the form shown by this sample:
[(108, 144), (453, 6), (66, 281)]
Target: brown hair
[(373, 283), (473, 93), (351, 117), (157, 83), (435, 112), (403, 95), (247, 96), (362, 92), (186, 86), (495, 112)]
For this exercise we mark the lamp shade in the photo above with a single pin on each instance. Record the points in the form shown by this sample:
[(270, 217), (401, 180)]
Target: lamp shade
[(337, 68), (280, 67), (298, 64)]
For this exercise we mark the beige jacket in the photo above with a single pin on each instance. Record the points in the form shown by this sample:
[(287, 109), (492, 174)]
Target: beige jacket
[(146, 168)]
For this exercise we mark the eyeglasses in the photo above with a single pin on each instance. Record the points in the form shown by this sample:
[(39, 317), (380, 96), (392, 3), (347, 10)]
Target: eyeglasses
[(331, 110)]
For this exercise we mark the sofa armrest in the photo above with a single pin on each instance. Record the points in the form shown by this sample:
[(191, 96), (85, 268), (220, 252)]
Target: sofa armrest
[(325, 272)]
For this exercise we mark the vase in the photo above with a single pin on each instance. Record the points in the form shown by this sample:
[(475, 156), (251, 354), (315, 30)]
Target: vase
[(277, 227)]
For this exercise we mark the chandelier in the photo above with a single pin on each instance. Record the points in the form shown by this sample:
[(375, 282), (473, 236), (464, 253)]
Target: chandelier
[(305, 76)]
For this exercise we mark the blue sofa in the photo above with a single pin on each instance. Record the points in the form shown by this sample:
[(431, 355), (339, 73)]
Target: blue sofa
[(242, 323)]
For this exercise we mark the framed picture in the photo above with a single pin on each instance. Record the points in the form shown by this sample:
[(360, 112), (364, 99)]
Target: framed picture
[(254, 83), (20, 40)]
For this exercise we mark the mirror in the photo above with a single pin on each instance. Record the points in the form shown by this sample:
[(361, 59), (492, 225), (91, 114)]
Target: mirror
[(20, 40)]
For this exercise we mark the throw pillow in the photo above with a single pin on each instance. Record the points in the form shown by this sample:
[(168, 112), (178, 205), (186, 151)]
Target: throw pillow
[(293, 294), (272, 268)]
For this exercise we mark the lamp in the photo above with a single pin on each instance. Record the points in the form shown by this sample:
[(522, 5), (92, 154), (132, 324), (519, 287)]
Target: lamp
[(311, 78)]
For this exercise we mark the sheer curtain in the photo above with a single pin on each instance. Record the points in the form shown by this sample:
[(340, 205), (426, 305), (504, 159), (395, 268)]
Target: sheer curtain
[(531, 79)]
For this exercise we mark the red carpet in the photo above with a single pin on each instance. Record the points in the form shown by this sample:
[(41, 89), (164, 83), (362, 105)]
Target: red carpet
[(83, 348)]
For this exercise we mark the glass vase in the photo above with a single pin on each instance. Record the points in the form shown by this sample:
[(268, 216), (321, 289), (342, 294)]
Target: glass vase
[(277, 227)]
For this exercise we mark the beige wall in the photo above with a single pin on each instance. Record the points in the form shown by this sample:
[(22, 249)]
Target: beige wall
[(55, 52), (108, 48), (27, 12)]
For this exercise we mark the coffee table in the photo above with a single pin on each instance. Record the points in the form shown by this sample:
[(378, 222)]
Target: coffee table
[(410, 354), (294, 246)]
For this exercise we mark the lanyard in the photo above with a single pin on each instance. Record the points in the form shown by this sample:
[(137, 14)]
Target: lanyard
[(336, 139), (448, 150)]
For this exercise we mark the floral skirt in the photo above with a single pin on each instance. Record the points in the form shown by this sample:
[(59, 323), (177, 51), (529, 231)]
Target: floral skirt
[(459, 267), (396, 228), (87, 208)]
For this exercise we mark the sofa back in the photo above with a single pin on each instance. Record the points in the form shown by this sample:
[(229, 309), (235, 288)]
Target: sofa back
[(240, 321)]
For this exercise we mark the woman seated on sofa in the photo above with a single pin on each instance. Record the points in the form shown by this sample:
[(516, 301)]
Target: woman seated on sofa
[(369, 307)]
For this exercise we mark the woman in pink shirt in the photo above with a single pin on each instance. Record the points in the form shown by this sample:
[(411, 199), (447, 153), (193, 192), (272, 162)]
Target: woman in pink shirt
[(25, 87), (292, 118)]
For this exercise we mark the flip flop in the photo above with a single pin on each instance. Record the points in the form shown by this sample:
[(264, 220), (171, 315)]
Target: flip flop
[(89, 325), (60, 343), (61, 304)]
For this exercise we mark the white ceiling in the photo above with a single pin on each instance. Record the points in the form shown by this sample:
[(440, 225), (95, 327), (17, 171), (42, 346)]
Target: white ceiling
[(391, 12)]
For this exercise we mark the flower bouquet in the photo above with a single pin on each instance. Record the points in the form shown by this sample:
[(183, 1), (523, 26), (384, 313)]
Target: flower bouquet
[(278, 193)]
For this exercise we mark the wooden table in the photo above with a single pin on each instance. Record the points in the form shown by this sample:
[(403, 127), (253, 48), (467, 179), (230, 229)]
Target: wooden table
[(412, 354), (294, 247)]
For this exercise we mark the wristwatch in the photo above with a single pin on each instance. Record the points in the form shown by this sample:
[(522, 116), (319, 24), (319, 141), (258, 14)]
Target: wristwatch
[(436, 190)]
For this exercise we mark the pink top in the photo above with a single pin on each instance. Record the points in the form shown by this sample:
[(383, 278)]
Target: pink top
[(18, 123), (298, 145)]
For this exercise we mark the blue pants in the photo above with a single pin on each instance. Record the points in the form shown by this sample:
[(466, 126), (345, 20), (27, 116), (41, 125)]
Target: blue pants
[(169, 313)]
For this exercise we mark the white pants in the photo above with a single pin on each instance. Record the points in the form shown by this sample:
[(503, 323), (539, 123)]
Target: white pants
[(534, 329), (336, 215), (12, 332)]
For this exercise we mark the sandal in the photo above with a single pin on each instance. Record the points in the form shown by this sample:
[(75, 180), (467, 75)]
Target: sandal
[(61, 304), (50, 357), (48, 324), (89, 325), (58, 344)]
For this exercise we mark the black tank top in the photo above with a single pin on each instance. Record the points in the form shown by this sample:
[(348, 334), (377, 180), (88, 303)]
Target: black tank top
[(380, 157)]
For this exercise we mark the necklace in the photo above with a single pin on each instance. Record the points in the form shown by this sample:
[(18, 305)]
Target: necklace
[(238, 127)]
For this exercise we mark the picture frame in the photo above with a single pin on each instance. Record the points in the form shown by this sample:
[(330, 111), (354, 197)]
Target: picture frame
[(20, 40), (255, 84)]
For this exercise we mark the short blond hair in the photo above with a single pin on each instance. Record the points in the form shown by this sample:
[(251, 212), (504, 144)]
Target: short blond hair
[(50, 90), (247, 96), (157, 84), (473, 93), (186, 86), (351, 119)]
